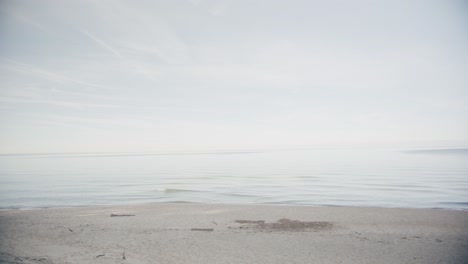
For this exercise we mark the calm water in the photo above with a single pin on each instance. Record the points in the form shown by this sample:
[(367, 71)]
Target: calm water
[(355, 177)]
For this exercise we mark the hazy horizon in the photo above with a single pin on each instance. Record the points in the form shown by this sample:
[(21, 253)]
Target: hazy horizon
[(103, 76)]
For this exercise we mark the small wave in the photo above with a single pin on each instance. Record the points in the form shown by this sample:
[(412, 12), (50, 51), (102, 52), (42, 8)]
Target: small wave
[(175, 190), (181, 202), (464, 204), (240, 195), (447, 151)]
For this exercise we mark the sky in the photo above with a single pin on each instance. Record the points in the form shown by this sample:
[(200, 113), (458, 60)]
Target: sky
[(152, 76)]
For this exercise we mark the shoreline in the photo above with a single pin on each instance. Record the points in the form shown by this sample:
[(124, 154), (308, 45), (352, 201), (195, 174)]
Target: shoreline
[(226, 204), (228, 233)]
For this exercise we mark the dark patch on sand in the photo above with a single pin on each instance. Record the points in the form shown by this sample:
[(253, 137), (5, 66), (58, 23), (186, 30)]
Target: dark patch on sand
[(12, 259), (250, 221), (202, 229), (285, 225), (121, 215)]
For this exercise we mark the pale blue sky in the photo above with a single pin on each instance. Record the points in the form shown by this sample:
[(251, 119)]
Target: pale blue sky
[(193, 74)]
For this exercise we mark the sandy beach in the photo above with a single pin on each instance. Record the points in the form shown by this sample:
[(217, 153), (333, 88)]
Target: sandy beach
[(215, 233)]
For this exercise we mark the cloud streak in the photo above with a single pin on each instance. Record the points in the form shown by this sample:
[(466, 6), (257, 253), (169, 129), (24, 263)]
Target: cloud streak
[(26, 69), (102, 44)]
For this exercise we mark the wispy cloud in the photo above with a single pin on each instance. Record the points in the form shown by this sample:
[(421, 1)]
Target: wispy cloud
[(26, 69), (103, 44), (64, 103), (133, 62), (25, 19)]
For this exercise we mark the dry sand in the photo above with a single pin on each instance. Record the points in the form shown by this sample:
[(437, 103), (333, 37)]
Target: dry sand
[(210, 233)]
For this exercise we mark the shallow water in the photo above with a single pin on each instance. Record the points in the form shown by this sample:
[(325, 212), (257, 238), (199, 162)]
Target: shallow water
[(342, 177)]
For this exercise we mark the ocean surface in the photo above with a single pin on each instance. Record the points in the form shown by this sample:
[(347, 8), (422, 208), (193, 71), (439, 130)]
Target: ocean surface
[(436, 178)]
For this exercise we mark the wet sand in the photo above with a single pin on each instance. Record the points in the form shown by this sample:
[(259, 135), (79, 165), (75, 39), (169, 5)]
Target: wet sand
[(214, 233)]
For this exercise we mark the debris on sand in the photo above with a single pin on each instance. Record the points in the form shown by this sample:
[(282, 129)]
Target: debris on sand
[(116, 215), (202, 229), (285, 224), (250, 221)]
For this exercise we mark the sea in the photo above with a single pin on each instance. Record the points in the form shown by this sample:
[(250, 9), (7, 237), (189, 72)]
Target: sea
[(402, 178)]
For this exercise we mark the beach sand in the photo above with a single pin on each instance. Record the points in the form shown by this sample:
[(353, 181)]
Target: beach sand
[(215, 233)]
